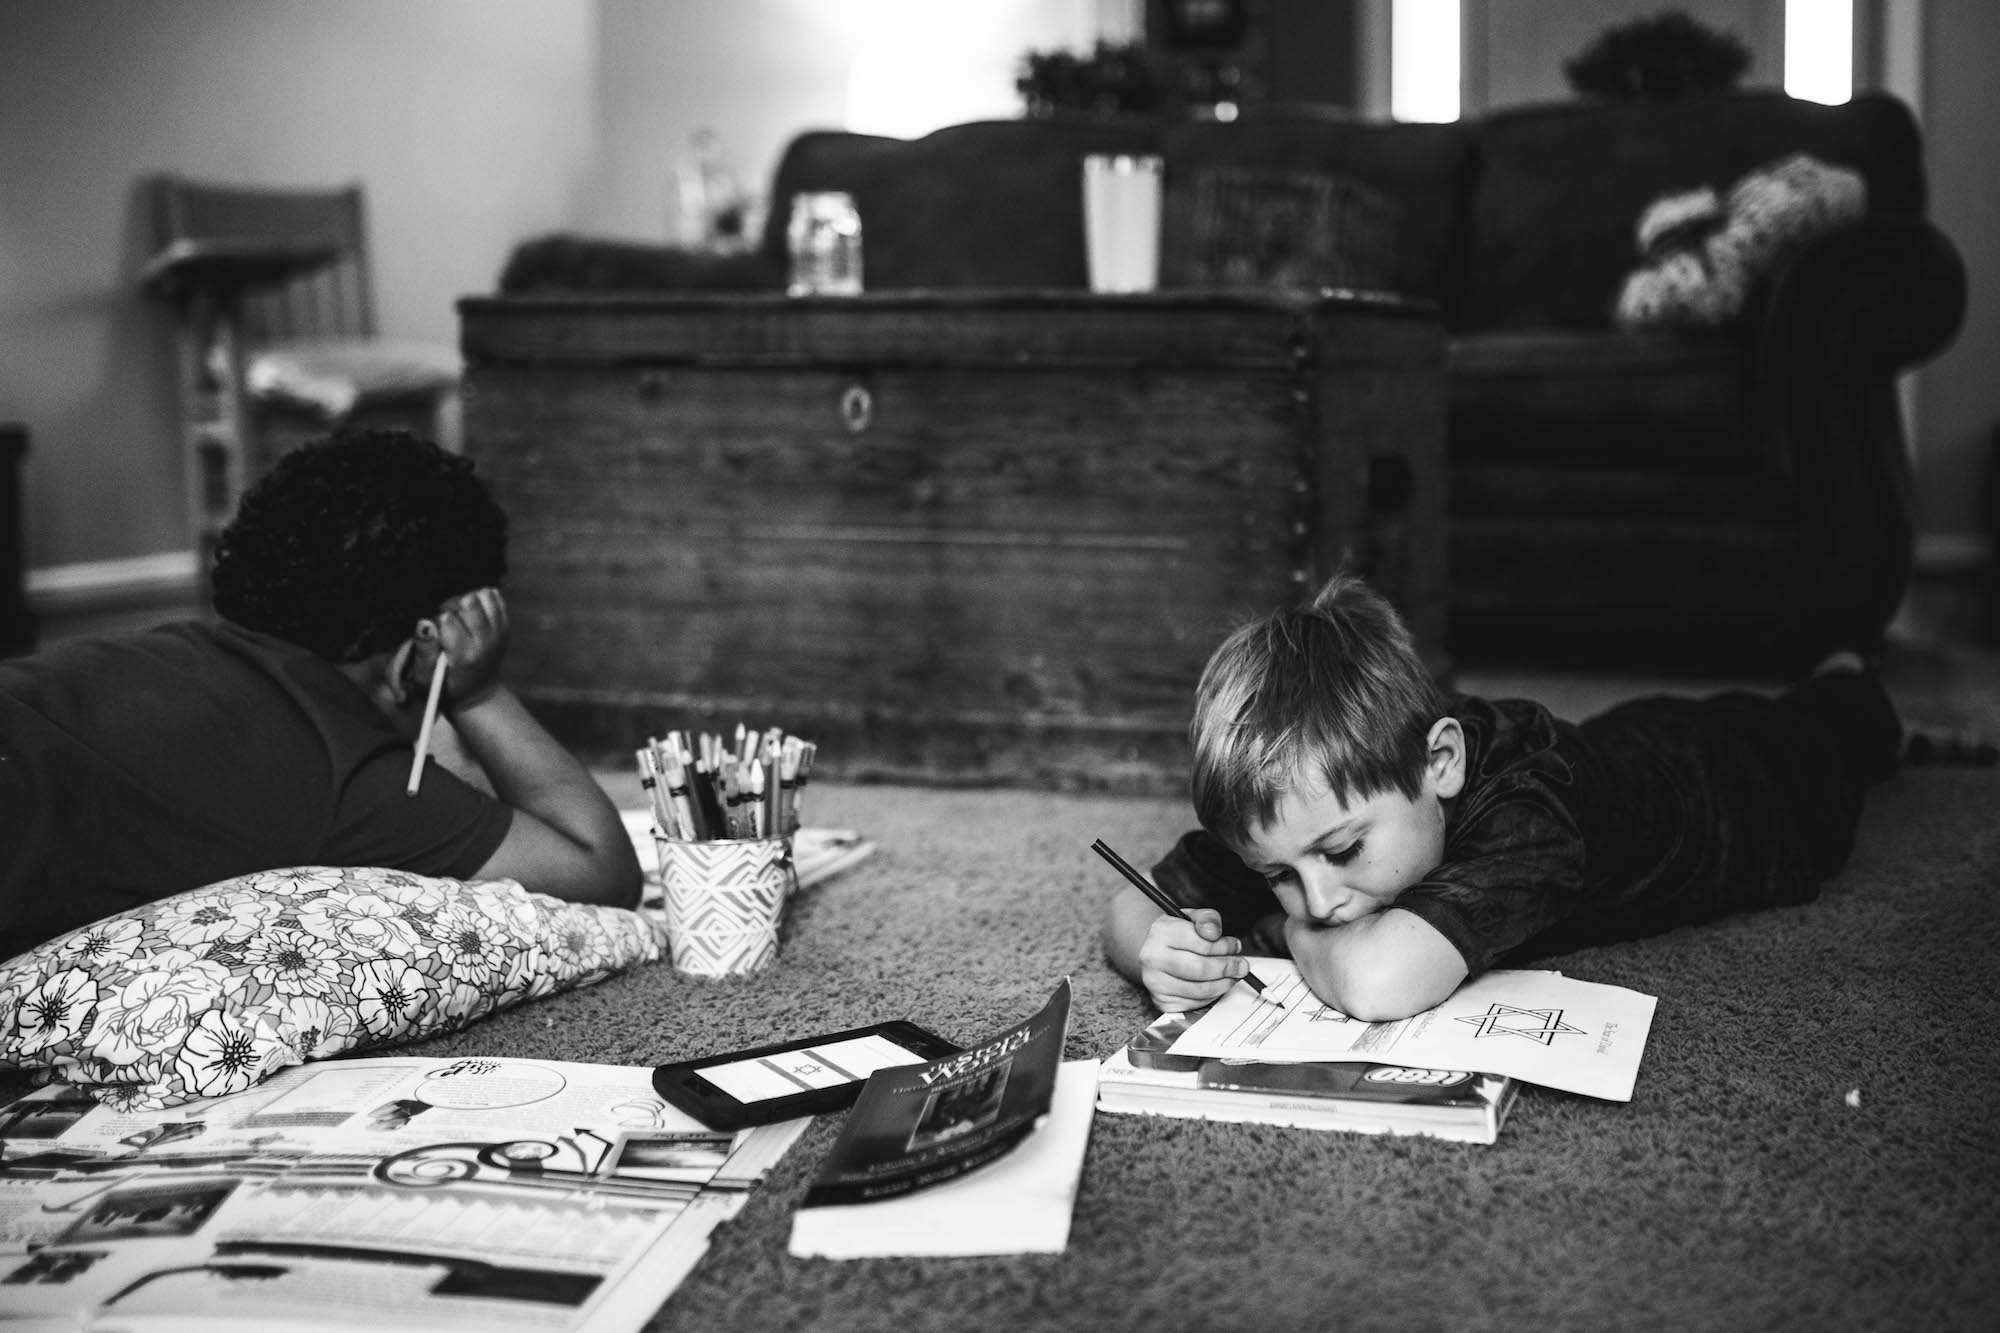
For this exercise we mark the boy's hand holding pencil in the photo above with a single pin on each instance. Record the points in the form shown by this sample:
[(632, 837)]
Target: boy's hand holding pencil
[(1186, 953)]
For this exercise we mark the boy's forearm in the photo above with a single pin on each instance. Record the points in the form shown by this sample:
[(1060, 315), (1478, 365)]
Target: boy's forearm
[(1382, 967), (532, 771)]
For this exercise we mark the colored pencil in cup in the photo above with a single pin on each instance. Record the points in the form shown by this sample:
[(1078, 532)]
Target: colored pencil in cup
[(678, 798), (1158, 897)]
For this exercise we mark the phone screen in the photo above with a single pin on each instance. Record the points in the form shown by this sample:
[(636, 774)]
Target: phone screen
[(787, 1073)]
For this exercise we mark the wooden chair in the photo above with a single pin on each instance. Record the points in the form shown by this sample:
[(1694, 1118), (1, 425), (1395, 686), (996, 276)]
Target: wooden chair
[(275, 332)]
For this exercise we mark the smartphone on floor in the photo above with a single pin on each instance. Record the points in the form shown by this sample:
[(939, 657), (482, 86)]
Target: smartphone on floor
[(786, 1080)]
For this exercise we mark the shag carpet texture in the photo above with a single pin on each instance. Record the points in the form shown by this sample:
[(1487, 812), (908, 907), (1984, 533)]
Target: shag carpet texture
[(1739, 1189)]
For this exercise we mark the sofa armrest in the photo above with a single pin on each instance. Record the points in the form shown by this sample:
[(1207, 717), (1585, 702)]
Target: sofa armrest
[(1858, 303), (1876, 296), (1829, 332)]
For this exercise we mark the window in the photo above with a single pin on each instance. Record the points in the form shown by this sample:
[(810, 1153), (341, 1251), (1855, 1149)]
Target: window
[(918, 65), (1423, 60), (1819, 49)]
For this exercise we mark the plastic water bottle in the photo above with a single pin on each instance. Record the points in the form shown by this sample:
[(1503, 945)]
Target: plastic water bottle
[(824, 236)]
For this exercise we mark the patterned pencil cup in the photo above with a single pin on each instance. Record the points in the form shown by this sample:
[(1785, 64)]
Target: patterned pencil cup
[(725, 902)]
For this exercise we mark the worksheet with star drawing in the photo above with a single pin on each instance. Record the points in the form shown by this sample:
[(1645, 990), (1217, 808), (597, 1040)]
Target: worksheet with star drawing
[(1539, 1027)]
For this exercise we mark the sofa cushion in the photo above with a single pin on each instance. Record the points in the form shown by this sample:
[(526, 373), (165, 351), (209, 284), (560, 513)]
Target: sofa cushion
[(1418, 171), (331, 377), (985, 204), (1634, 401), (1560, 188)]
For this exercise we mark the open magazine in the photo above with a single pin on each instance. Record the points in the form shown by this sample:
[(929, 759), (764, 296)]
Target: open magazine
[(401, 1193)]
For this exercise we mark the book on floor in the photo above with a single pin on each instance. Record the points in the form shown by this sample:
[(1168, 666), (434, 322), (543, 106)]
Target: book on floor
[(976, 1153), (1145, 1077)]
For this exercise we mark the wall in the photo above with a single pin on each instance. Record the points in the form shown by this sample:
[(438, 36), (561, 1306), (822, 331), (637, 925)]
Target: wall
[(469, 121), (1515, 49), (1958, 395), (757, 72)]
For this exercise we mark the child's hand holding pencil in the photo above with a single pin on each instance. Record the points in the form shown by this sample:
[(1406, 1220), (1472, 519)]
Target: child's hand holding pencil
[(459, 655), (1186, 953)]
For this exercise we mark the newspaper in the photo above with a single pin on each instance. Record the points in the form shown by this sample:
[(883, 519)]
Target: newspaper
[(401, 1193), (1539, 1027)]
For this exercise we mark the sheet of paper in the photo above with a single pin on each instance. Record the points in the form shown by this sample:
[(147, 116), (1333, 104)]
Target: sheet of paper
[(1540, 1027), (1021, 1204)]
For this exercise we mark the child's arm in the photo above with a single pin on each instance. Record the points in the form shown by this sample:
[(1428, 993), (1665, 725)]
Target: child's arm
[(1382, 967), (566, 838), (1181, 964)]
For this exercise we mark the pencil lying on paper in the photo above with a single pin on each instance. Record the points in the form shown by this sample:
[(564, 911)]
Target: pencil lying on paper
[(424, 732), (1158, 897)]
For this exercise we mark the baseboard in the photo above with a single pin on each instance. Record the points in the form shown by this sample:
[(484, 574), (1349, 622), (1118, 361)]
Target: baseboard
[(167, 578), (1954, 595), (1945, 554)]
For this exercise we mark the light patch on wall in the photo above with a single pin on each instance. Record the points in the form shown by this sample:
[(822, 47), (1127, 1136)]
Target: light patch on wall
[(1424, 60), (918, 65), (1819, 49)]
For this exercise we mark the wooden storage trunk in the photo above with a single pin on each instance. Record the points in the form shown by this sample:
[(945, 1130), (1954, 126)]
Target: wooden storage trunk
[(951, 536)]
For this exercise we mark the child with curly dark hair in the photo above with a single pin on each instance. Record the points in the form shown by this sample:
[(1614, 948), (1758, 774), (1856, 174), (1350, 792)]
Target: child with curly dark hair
[(137, 766)]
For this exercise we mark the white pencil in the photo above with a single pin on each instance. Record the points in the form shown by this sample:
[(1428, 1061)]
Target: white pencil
[(424, 732)]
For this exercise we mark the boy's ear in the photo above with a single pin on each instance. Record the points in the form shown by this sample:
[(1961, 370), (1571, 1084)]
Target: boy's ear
[(1446, 759)]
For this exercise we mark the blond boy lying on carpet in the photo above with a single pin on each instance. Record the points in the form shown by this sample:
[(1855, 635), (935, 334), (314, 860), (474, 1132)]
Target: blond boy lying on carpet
[(1395, 842), (135, 767)]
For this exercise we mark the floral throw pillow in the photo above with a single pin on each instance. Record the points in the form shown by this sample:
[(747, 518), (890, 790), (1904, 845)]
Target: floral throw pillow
[(210, 991)]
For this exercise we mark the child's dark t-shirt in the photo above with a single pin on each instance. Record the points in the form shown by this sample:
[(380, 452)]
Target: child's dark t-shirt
[(138, 766), (1658, 813)]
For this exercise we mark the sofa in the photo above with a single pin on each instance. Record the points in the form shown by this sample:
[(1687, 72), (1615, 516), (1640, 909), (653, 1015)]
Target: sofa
[(1736, 495)]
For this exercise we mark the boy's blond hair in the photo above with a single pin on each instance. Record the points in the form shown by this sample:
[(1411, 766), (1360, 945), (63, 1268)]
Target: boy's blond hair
[(1334, 688)]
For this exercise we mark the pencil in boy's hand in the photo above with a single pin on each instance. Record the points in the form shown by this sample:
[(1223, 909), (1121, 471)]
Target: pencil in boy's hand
[(1158, 897), (430, 720)]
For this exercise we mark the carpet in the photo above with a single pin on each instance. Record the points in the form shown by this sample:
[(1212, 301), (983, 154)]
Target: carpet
[(1742, 1188)]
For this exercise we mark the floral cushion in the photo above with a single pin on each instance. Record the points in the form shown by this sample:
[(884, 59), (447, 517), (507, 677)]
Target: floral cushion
[(209, 991)]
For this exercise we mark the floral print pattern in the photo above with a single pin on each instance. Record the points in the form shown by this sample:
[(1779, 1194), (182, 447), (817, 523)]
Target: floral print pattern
[(210, 991)]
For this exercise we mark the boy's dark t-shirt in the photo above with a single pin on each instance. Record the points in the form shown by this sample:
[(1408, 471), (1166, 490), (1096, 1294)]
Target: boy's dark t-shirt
[(1659, 813), (134, 767)]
